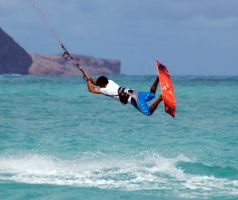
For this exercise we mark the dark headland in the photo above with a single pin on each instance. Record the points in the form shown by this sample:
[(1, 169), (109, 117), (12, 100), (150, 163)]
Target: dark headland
[(14, 59)]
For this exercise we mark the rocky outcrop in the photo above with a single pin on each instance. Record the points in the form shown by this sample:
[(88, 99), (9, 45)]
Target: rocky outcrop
[(56, 65), (13, 58)]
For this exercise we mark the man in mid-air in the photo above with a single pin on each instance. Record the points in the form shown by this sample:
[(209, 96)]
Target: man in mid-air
[(137, 99)]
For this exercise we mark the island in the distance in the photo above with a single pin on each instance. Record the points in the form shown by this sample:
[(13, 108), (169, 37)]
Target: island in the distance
[(14, 59)]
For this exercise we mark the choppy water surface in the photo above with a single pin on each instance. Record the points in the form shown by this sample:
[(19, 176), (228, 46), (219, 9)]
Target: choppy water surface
[(57, 141)]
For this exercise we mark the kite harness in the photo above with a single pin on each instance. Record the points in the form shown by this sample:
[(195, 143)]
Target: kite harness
[(66, 55), (124, 94)]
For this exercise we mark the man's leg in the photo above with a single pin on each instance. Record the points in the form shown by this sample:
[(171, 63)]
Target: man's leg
[(154, 86), (155, 104)]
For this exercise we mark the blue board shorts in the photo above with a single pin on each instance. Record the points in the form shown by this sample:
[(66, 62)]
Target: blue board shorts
[(142, 98)]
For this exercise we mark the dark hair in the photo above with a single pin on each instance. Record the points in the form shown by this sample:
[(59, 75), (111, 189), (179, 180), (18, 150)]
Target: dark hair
[(102, 81)]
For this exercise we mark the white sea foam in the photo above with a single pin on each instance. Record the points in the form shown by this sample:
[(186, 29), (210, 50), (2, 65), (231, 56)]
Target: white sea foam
[(145, 171)]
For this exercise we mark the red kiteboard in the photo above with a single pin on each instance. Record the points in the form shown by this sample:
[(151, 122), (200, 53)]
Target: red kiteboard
[(167, 89)]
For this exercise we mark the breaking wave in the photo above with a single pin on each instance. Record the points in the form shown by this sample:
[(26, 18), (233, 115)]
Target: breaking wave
[(144, 171)]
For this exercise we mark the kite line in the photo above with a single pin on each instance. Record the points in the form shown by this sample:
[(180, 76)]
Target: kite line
[(66, 55)]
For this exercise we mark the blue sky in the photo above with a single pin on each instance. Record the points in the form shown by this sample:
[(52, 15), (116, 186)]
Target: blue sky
[(192, 37)]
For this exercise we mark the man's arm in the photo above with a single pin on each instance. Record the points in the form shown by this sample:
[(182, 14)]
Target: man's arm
[(90, 82), (91, 88), (94, 82)]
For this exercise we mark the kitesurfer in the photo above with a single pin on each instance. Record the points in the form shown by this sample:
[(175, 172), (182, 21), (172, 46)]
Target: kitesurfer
[(137, 99)]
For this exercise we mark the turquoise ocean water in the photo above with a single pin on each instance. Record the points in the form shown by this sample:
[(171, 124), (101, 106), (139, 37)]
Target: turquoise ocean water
[(57, 141)]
